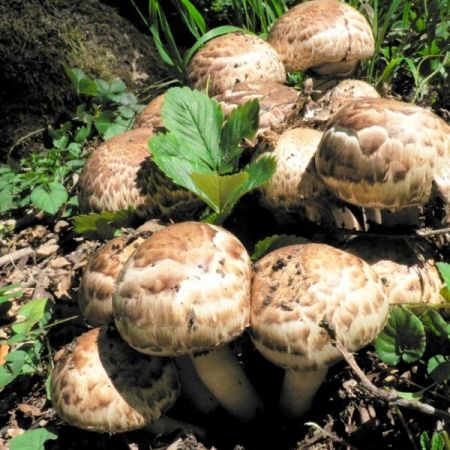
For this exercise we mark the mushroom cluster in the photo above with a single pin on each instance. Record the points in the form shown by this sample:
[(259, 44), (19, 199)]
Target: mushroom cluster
[(180, 296)]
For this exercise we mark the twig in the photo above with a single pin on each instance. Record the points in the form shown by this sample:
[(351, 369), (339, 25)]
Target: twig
[(405, 426), (391, 397), (336, 439), (11, 258)]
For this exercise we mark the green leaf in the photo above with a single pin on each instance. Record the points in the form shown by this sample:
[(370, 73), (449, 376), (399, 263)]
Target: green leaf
[(434, 323), (114, 130), (439, 368), (196, 121), (218, 192), (32, 312), (241, 124), (103, 224), (444, 270), (49, 198), (403, 337), (260, 172), (9, 292), (6, 200), (411, 395), (271, 243), (32, 440)]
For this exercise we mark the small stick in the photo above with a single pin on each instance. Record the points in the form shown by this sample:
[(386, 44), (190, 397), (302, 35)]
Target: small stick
[(391, 397), (11, 258), (336, 439)]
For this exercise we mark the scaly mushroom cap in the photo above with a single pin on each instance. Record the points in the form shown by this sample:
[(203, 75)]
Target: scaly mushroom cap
[(99, 279), (186, 289), (382, 153), (150, 116), (277, 103), (295, 186), (100, 384), (120, 173), (297, 288), (406, 269), (345, 91), (327, 36), (233, 58)]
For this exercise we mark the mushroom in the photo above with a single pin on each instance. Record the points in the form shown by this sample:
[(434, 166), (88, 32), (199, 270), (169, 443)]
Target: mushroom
[(120, 174), (233, 58), (98, 282), (338, 96), (297, 292), (380, 153), (295, 186), (186, 291), (100, 384), (277, 103), (406, 267), (327, 36), (150, 116)]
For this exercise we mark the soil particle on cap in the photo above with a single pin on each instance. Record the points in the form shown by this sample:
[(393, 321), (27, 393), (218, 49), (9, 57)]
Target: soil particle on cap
[(278, 265)]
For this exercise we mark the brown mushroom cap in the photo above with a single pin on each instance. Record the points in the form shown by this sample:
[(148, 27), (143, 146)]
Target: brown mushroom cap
[(120, 174), (406, 269), (328, 36), (297, 288), (345, 91), (150, 116), (381, 153), (277, 102), (186, 289), (233, 58), (99, 279), (100, 384), (296, 187)]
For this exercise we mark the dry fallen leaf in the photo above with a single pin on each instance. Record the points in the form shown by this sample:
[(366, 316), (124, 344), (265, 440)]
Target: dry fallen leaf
[(4, 349)]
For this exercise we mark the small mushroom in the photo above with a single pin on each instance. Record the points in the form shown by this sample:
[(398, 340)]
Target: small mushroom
[(120, 174), (295, 187), (406, 268), (186, 291), (338, 96), (150, 116), (234, 58), (99, 278), (299, 293), (100, 384), (277, 103), (327, 36), (380, 153)]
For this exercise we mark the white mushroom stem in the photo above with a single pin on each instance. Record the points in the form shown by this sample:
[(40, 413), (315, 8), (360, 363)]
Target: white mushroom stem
[(192, 387), (168, 425), (225, 378), (298, 391)]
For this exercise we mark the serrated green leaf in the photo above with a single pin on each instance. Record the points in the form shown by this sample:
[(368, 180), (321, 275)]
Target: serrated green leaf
[(126, 112), (271, 243), (117, 86), (196, 121), (32, 440), (103, 87), (439, 368), (103, 224), (260, 172), (241, 124), (104, 121), (50, 198), (217, 191), (75, 75), (403, 337), (11, 291)]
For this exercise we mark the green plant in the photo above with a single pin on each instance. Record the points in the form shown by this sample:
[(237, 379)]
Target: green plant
[(258, 16), (45, 180), (419, 333), (163, 37), (411, 45), (27, 337), (201, 150)]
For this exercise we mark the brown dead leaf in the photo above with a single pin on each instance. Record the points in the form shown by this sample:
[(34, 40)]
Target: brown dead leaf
[(48, 249), (63, 285), (59, 263), (29, 410)]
